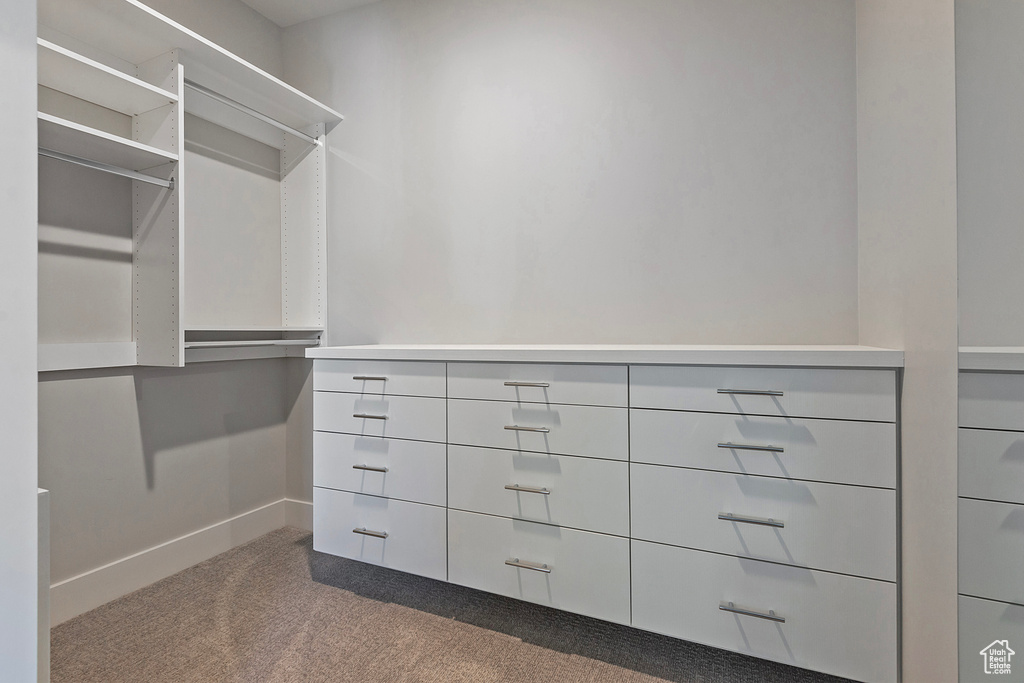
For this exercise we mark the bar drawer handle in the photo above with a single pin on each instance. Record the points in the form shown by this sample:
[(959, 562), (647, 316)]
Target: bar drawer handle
[(750, 392), (538, 385), (369, 468), (528, 489), (517, 428), (751, 447), (770, 615), (368, 378), (533, 566), (366, 532), (759, 521), (365, 416)]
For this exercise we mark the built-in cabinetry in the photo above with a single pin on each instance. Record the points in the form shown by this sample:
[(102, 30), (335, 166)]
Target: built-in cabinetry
[(217, 174), (692, 492), (991, 513)]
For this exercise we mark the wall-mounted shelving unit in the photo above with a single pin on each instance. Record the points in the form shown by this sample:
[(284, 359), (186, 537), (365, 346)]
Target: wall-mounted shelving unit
[(227, 253)]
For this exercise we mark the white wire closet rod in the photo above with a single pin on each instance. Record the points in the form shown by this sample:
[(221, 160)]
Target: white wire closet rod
[(107, 168), (250, 111)]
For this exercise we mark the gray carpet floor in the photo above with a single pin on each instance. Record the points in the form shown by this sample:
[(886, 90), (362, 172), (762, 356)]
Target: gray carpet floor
[(276, 610)]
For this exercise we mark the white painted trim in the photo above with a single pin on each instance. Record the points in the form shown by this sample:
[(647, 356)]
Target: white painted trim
[(299, 514), (84, 592), (43, 619)]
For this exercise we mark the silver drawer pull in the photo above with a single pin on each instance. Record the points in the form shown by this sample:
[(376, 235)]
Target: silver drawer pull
[(369, 468), (527, 489), (366, 532), (368, 378), (770, 615), (364, 416), (751, 447), (750, 392), (517, 428), (539, 385), (759, 521), (523, 564)]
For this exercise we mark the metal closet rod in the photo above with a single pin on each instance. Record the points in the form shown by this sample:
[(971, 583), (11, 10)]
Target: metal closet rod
[(107, 168), (250, 111)]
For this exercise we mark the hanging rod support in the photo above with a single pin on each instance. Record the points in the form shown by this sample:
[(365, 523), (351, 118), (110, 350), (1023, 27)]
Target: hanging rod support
[(107, 168), (250, 111)]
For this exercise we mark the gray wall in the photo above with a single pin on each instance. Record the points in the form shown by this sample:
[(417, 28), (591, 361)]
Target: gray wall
[(990, 203), (589, 170), (18, 501), (907, 205)]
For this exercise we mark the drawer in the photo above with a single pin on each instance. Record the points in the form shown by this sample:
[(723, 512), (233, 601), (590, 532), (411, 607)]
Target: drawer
[(847, 529), (852, 394), (415, 540), (584, 493), (992, 400), (991, 550), (992, 466), (984, 623), (837, 624), (398, 417), (380, 377), (596, 385), (566, 430), (415, 470), (585, 573), (824, 450)]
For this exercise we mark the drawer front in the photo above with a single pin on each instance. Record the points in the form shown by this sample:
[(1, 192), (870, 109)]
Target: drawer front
[(847, 529), (589, 573), (398, 417), (984, 623), (790, 392), (415, 540), (824, 450), (567, 430), (991, 550), (992, 400), (992, 465), (415, 470), (841, 625), (584, 493), (595, 385), (380, 377)]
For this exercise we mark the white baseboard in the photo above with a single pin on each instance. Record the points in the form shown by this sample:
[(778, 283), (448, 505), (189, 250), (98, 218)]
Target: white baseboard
[(299, 514), (84, 592)]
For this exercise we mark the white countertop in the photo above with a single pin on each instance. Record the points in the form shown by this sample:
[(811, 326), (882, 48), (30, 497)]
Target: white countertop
[(992, 358), (654, 354)]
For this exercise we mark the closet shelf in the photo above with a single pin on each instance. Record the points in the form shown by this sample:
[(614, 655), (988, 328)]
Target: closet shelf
[(71, 73), (251, 342), (135, 33), (74, 139)]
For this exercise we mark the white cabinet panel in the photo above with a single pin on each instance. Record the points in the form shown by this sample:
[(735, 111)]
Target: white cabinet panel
[(591, 431), (791, 392), (380, 378), (991, 550), (415, 540), (992, 465), (839, 451), (398, 417), (585, 493), (598, 385), (412, 470), (577, 571), (983, 623), (991, 400), (837, 624), (844, 529)]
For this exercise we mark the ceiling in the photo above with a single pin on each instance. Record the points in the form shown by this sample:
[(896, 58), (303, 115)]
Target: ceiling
[(287, 12)]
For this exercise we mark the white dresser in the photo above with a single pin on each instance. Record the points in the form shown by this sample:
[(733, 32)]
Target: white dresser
[(741, 497), (991, 511)]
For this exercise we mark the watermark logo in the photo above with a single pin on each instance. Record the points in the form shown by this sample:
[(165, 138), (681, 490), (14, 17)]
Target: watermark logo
[(997, 657)]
